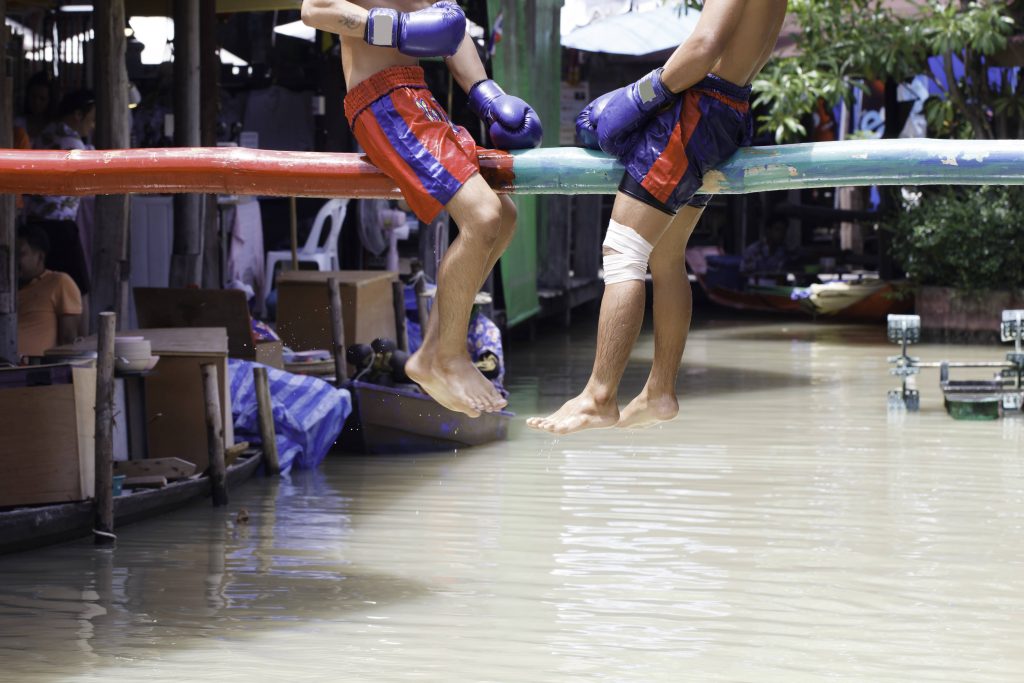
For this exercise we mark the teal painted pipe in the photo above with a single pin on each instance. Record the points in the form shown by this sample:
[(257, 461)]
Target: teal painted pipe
[(918, 161)]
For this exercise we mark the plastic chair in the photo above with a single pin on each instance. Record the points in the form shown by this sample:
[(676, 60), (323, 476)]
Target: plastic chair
[(324, 255)]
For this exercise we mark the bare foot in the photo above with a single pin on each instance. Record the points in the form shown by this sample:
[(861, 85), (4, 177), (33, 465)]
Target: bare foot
[(646, 411), (455, 384), (582, 412)]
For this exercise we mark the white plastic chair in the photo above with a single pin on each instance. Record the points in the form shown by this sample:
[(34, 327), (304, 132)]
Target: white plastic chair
[(324, 255)]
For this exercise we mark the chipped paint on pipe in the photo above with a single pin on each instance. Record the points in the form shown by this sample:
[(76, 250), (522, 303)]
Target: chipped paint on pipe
[(565, 170)]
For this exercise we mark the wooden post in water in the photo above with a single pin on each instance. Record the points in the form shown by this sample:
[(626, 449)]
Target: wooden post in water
[(215, 435), (398, 300), (337, 332), (8, 277), (265, 413), (103, 527)]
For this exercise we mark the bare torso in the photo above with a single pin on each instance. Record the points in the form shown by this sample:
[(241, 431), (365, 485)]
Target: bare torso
[(359, 60), (753, 41)]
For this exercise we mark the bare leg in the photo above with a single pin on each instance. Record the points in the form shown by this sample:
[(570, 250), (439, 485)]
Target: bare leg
[(622, 314), (442, 366), (673, 308)]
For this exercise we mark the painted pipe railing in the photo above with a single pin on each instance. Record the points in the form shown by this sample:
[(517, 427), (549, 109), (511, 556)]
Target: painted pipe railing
[(564, 170)]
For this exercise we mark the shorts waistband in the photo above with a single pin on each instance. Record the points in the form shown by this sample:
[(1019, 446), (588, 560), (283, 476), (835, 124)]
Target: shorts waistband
[(724, 87), (380, 84)]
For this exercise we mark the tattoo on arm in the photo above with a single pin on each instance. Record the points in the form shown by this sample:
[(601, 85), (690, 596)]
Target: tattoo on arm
[(349, 20)]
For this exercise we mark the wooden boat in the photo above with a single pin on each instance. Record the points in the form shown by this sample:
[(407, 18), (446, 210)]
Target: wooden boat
[(397, 419), (34, 527), (872, 308), (864, 299)]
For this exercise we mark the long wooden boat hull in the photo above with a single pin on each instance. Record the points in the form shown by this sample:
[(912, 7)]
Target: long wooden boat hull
[(872, 308), (399, 420), (35, 527)]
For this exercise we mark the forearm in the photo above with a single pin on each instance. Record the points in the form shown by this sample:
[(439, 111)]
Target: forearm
[(67, 328), (335, 16), (465, 65)]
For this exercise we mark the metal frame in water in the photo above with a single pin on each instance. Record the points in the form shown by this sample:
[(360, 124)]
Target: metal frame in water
[(964, 399)]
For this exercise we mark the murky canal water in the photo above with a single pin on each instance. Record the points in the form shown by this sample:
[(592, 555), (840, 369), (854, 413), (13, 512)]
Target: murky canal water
[(785, 527)]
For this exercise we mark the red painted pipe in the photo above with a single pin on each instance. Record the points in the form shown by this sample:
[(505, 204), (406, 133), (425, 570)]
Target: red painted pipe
[(211, 170)]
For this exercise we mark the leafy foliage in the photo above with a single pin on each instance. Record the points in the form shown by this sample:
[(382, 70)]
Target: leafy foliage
[(969, 238), (843, 43)]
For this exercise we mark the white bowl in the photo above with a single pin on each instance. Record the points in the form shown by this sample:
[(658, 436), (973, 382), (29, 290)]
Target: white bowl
[(134, 365)]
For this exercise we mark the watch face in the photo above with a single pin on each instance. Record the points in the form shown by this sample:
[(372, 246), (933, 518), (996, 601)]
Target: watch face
[(646, 90), (383, 30)]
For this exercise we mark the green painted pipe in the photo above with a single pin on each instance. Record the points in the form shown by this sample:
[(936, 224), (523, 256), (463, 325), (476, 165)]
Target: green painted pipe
[(917, 161)]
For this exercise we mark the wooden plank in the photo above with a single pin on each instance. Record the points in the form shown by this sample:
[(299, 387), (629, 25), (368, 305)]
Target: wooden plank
[(354, 278), (175, 408), (39, 459), (163, 307), (170, 468), (196, 341), (152, 481)]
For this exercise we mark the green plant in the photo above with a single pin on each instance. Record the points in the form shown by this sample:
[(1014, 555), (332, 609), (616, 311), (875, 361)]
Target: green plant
[(968, 238), (843, 43)]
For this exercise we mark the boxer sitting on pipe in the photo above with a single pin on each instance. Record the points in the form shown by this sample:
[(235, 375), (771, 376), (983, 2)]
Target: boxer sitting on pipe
[(668, 129), (406, 133)]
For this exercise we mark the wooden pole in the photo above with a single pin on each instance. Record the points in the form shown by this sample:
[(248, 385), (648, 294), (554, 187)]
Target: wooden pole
[(8, 275), (398, 300), (110, 265), (421, 306), (265, 412), (293, 223), (209, 107), (337, 331), (186, 261), (103, 527), (215, 435)]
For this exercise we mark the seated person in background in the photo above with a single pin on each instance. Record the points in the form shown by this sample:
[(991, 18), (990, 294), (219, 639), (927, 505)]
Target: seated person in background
[(768, 254), (49, 303), (76, 120)]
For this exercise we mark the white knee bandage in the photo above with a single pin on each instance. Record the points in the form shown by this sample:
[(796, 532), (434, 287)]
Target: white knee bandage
[(629, 262)]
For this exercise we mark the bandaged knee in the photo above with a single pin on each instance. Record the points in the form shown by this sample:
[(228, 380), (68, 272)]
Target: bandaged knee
[(632, 252)]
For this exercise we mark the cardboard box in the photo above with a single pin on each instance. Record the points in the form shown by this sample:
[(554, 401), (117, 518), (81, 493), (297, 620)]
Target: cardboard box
[(303, 307), (47, 441)]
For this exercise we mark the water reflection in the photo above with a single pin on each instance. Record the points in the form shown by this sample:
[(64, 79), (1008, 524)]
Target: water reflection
[(785, 527)]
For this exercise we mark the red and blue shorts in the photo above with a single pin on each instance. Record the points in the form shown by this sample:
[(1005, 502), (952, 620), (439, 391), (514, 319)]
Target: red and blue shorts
[(665, 166), (407, 135)]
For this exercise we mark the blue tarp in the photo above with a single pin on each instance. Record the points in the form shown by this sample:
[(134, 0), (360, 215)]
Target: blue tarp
[(308, 413)]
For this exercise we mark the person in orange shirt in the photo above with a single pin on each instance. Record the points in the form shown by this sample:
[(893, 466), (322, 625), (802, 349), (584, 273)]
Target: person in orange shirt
[(49, 303)]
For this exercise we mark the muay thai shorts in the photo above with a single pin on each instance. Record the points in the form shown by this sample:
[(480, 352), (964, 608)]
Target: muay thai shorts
[(666, 164), (408, 136)]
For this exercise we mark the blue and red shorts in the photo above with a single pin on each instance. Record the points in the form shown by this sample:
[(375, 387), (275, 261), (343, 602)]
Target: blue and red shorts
[(408, 135), (666, 165)]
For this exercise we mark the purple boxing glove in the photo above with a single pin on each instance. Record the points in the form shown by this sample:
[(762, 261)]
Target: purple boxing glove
[(629, 109), (435, 31), (513, 124), (586, 122)]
